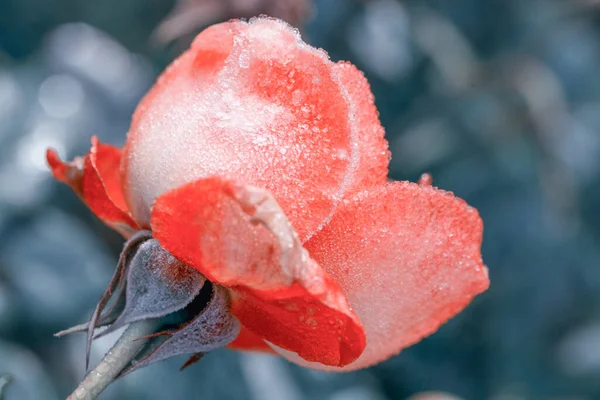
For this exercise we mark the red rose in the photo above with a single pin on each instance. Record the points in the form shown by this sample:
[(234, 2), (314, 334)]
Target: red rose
[(262, 164)]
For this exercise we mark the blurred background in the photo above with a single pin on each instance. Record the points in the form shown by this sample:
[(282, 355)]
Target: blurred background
[(498, 99)]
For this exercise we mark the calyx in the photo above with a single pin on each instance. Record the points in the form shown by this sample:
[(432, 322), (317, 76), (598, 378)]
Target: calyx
[(191, 313)]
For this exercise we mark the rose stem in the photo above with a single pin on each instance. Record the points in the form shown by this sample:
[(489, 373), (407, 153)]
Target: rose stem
[(123, 351)]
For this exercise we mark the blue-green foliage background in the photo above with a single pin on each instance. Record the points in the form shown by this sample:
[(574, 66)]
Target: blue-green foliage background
[(499, 99)]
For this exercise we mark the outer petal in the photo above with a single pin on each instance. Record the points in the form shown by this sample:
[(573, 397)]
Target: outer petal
[(374, 156), (251, 102), (407, 257), (238, 237), (249, 341), (95, 179)]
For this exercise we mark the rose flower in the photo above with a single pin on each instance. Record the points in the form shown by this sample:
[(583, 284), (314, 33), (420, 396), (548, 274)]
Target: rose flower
[(258, 166)]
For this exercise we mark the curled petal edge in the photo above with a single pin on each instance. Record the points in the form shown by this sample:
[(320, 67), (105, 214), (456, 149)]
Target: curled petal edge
[(95, 179), (279, 292)]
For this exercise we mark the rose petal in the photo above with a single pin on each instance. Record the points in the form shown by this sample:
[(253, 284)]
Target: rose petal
[(95, 179), (374, 155), (248, 341), (407, 257), (238, 236), (257, 105)]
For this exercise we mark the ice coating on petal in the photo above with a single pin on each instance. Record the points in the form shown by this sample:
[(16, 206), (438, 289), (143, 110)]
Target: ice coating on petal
[(256, 105), (373, 150), (238, 236), (212, 47), (95, 178), (408, 259)]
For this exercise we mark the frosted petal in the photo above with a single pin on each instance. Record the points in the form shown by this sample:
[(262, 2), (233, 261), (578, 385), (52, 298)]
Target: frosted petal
[(408, 259), (374, 155), (258, 106), (238, 236)]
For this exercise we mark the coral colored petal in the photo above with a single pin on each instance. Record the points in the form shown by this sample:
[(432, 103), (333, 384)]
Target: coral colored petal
[(206, 57), (372, 168), (408, 259), (213, 45), (248, 341), (106, 162), (251, 102), (318, 326), (95, 179), (70, 173), (238, 236)]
